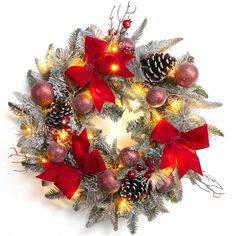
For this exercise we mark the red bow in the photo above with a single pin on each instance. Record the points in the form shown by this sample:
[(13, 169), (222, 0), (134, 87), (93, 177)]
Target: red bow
[(179, 147), (99, 62), (66, 177)]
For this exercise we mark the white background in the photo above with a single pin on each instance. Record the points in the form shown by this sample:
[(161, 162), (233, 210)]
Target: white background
[(208, 27)]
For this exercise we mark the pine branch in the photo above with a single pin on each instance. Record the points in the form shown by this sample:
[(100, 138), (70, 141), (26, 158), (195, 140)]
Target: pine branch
[(34, 167), (139, 32), (132, 222), (55, 194), (96, 215), (33, 77), (17, 109), (215, 131), (200, 91), (114, 112), (73, 39), (185, 58)]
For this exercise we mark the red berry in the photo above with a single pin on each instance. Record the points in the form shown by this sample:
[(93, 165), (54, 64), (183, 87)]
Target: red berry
[(147, 175), (52, 128), (127, 23), (140, 167), (132, 174), (149, 161), (151, 169)]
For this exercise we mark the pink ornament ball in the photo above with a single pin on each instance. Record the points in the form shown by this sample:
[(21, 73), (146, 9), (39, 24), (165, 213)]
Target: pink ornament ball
[(107, 181), (56, 152), (156, 97), (42, 93), (167, 185), (129, 157), (83, 102), (186, 75)]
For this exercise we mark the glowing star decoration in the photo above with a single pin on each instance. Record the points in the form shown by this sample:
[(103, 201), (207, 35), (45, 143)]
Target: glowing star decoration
[(123, 206), (98, 63)]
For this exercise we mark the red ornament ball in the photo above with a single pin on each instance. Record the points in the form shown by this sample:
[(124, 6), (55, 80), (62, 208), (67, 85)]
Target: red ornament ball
[(83, 102), (42, 93), (131, 174), (156, 97), (167, 185), (129, 157), (56, 152), (107, 181), (127, 23), (186, 75), (127, 45)]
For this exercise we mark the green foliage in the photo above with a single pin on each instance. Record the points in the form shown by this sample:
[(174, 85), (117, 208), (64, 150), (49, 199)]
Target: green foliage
[(132, 222), (213, 130), (201, 91), (17, 109), (96, 215), (54, 194)]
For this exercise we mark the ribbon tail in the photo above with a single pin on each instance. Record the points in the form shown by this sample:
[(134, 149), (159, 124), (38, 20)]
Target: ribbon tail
[(100, 91), (187, 159), (65, 177)]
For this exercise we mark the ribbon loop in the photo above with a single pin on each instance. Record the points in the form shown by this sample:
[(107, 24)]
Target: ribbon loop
[(179, 147)]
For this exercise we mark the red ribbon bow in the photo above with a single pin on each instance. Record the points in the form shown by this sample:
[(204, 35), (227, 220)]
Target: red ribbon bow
[(66, 177), (179, 147), (99, 62)]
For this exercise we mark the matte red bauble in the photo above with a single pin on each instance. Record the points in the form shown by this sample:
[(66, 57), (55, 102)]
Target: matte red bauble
[(186, 75), (129, 157), (156, 97), (56, 152), (107, 181), (42, 93), (83, 102)]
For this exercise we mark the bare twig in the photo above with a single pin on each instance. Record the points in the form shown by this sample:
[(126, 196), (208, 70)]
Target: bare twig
[(16, 153), (126, 14), (111, 17), (212, 186)]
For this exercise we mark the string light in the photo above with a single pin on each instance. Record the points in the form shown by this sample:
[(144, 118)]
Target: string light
[(76, 195), (175, 105), (113, 48), (114, 67), (124, 205), (27, 129), (62, 135), (77, 61), (167, 171), (171, 73), (90, 134), (157, 117)]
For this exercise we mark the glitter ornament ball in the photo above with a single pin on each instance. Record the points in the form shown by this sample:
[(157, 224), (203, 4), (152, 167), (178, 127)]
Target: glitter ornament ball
[(127, 45), (42, 93), (129, 157), (107, 181), (186, 75), (56, 152), (83, 102), (167, 185), (156, 97)]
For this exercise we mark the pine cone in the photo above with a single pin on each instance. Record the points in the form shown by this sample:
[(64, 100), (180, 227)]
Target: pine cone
[(135, 189), (156, 67), (60, 109)]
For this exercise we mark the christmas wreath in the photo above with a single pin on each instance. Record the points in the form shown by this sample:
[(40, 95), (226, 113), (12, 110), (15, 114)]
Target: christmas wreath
[(102, 75)]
